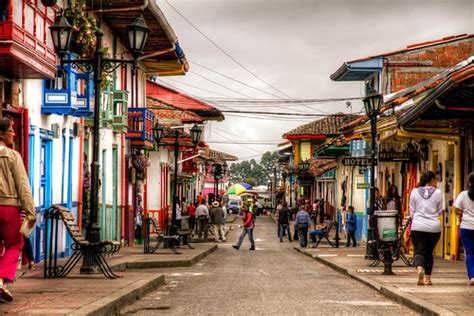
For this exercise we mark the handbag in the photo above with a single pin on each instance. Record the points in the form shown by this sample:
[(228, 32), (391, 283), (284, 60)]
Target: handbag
[(25, 230)]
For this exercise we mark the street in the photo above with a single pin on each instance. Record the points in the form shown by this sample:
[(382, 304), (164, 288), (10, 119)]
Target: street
[(274, 280)]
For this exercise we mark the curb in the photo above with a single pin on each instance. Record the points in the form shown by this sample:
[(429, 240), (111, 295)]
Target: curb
[(111, 304), (418, 305), (162, 264)]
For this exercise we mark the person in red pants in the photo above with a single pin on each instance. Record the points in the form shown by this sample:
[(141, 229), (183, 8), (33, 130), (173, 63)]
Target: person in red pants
[(15, 194)]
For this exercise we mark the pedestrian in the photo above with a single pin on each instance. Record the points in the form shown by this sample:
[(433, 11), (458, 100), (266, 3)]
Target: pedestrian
[(465, 207), (14, 196), (247, 228), (177, 222), (351, 226), (425, 207), (202, 214), (284, 221), (302, 222), (217, 217), (321, 211), (393, 200), (191, 209), (379, 205)]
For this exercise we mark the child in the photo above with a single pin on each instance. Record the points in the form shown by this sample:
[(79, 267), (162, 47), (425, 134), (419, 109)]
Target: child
[(351, 225)]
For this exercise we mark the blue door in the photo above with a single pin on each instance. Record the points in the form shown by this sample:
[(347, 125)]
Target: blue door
[(44, 194)]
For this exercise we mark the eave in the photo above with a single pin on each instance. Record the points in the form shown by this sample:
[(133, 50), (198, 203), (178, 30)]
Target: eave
[(162, 56)]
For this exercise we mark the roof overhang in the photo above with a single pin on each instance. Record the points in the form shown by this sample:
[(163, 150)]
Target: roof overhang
[(358, 70), (304, 137), (163, 56), (451, 104)]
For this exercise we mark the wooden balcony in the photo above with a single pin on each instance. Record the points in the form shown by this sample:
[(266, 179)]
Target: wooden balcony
[(140, 127), (59, 95), (85, 95), (120, 111), (26, 48), (106, 117)]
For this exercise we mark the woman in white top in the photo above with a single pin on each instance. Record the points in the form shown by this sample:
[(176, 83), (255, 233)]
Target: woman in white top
[(425, 208), (465, 206)]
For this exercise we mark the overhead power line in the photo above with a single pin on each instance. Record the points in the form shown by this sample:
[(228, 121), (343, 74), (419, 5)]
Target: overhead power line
[(224, 52), (193, 86), (233, 79), (220, 85), (283, 113)]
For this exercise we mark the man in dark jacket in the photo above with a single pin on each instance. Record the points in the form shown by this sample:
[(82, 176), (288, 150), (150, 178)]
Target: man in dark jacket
[(284, 221), (217, 217)]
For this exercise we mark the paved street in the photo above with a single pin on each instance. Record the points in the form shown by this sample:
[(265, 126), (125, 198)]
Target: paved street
[(274, 279)]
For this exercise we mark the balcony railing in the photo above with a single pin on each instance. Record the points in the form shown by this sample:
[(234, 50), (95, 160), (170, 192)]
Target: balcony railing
[(140, 127), (85, 95), (27, 47), (59, 95), (120, 111)]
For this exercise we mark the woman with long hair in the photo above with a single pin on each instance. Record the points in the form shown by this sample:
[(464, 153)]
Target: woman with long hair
[(425, 207), (465, 207)]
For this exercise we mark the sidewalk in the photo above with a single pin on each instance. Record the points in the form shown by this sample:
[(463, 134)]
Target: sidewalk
[(79, 294), (449, 296)]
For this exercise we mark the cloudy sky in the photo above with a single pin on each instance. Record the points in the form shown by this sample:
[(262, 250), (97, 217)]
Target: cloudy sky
[(287, 49)]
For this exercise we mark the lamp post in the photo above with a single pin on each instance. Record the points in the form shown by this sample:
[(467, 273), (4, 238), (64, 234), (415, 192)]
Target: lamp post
[(196, 133), (303, 167), (61, 33), (372, 105), (217, 171)]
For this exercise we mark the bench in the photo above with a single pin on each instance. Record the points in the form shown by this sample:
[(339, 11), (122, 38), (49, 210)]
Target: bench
[(326, 236), (161, 239), (94, 252)]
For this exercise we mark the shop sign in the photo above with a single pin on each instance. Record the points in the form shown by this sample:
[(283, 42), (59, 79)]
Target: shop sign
[(357, 161), (392, 155), (363, 185)]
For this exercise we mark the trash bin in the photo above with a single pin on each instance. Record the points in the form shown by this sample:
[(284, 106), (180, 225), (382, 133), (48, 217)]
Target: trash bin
[(387, 225)]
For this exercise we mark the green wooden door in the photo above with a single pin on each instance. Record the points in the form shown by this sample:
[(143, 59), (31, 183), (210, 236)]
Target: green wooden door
[(115, 209)]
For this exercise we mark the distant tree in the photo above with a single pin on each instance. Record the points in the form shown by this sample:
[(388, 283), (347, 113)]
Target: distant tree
[(259, 172)]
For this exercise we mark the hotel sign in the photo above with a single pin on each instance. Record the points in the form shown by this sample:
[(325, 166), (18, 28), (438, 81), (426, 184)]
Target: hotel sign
[(357, 161)]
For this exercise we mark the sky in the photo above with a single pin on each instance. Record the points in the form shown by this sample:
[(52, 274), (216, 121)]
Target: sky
[(287, 49)]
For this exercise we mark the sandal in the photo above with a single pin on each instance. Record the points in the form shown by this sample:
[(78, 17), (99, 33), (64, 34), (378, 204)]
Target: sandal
[(421, 276), (471, 282), (428, 282), (6, 294)]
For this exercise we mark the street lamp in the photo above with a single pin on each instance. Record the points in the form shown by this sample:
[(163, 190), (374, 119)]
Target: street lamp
[(291, 172), (217, 172), (61, 33), (372, 105), (196, 133)]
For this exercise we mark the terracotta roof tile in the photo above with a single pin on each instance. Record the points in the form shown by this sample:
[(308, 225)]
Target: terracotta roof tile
[(327, 126)]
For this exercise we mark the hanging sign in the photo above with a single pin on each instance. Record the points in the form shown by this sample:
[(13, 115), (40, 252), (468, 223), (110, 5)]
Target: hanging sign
[(392, 155), (363, 185), (357, 161)]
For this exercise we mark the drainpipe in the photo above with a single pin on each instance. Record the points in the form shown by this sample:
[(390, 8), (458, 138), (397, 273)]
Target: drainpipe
[(80, 178)]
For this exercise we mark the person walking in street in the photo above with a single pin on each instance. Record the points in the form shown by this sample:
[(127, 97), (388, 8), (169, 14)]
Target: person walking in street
[(351, 226), (465, 207), (217, 217), (302, 222), (202, 214), (284, 222), (425, 208), (14, 196), (191, 209), (247, 228)]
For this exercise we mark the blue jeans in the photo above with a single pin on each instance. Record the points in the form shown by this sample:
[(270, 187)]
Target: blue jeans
[(246, 231), (315, 233), (467, 237), (283, 228)]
